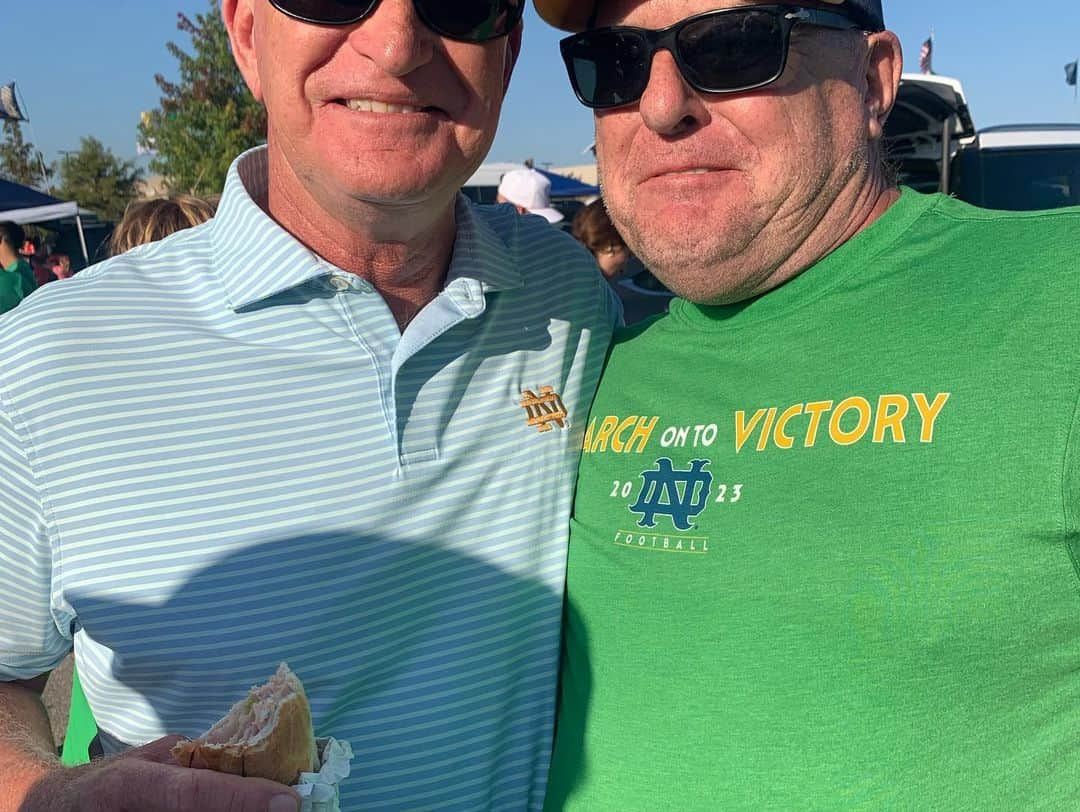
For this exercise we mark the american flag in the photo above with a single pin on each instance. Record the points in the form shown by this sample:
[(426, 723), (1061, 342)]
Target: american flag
[(926, 56)]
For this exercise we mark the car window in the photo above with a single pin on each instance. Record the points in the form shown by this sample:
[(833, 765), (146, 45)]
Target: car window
[(1026, 179)]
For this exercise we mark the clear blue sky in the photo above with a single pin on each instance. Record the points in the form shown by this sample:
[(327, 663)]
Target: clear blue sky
[(88, 68)]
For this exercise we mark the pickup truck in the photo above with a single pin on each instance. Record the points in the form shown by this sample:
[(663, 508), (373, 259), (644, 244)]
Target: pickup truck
[(935, 146)]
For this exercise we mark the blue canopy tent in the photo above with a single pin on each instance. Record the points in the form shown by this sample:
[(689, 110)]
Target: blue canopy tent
[(22, 205), (563, 186)]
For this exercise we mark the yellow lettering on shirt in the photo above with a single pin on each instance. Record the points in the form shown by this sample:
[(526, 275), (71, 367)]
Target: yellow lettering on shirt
[(929, 413), (838, 435), (642, 432), (763, 440), (853, 420), (613, 430), (782, 439), (891, 411), (616, 437), (588, 438), (603, 434), (743, 431), (815, 409)]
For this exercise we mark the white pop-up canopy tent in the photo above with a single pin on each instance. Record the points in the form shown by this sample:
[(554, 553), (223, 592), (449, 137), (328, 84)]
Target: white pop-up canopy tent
[(22, 205)]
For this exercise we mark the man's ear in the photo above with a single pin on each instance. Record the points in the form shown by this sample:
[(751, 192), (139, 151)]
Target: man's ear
[(513, 49), (239, 18), (884, 65)]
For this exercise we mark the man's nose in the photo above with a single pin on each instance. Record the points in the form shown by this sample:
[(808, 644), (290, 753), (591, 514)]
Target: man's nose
[(669, 105), (394, 38)]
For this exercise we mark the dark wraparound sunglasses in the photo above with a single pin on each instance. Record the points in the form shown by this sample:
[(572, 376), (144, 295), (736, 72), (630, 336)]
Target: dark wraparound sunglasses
[(464, 20), (723, 51)]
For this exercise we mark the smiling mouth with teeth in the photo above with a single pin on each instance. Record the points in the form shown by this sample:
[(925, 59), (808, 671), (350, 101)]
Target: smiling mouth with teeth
[(371, 106)]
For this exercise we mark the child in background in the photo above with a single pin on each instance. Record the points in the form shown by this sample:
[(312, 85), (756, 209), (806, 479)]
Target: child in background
[(592, 227), (153, 219)]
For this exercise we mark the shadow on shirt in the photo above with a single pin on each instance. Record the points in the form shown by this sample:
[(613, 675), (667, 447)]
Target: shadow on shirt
[(433, 663)]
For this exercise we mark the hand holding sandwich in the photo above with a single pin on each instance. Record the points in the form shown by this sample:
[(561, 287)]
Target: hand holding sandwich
[(147, 779), (245, 762)]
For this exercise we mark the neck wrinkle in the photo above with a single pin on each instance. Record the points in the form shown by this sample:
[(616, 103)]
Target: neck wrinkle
[(402, 250), (865, 205), (872, 201)]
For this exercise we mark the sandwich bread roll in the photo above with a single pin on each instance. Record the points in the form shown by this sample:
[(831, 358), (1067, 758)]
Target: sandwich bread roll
[(268, 734)]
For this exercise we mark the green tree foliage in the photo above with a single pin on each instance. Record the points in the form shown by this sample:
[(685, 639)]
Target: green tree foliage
[(208, 116), (20, 160), (97, 180)]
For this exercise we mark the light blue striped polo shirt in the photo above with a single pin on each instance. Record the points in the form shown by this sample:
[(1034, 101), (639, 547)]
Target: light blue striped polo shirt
[(219, 452)]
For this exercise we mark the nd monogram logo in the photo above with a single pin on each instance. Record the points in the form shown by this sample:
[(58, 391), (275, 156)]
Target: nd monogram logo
[(682, 495), (544, 409)]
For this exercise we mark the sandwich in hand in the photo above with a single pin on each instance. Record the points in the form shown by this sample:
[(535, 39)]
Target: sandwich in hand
[(266, 735)]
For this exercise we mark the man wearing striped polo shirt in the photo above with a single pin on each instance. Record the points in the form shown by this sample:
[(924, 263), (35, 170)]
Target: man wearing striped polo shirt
[(337, 426)]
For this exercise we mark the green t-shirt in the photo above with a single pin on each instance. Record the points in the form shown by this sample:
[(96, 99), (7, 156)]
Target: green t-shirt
[(26, 275), (11, 290), (826, 544)]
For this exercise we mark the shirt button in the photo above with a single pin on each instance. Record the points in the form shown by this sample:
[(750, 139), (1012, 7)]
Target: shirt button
[(339, 283)]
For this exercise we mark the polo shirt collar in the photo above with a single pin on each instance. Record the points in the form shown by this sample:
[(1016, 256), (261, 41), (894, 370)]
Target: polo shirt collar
[(480, 254), (257, 259), (254, 256)]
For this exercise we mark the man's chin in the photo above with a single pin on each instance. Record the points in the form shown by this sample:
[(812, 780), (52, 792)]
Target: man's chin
[(680, 245), (697, 288), (392, 176), (696, 268), (393, 190)]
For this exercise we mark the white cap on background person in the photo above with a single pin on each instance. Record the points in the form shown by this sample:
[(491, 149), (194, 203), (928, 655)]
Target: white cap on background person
[(530, 191)]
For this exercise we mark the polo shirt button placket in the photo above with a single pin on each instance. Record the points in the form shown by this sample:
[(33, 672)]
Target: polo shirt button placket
[(339, 282)]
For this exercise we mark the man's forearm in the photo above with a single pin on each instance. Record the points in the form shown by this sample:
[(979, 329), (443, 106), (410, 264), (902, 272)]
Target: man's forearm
[(27, 750)]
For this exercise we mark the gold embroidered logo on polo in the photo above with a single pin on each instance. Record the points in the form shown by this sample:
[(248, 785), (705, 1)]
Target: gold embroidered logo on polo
[(544, 410)]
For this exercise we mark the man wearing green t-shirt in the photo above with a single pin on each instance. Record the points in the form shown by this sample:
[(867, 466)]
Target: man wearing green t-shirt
[(826, 541), (10, 291), (16, 274)]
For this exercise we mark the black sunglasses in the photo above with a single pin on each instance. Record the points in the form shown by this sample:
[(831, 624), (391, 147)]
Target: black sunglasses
[(723, 51), (464, 20)]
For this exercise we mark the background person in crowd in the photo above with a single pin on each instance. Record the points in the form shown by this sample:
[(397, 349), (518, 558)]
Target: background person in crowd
[(592, 228), (35, 254), (30, 254), (338, 426), (60, 265), (12, 241), (529, 192), (10, 291), (153, 219), (43, 271), (827, 527)]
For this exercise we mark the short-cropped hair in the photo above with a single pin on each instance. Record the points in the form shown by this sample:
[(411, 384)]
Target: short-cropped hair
[(13, 235)]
